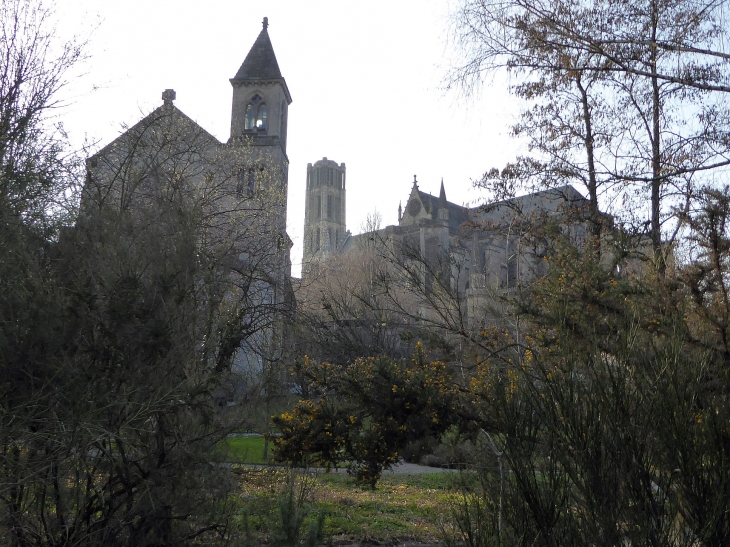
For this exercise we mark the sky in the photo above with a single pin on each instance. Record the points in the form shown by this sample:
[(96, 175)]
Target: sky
[(366, 79)]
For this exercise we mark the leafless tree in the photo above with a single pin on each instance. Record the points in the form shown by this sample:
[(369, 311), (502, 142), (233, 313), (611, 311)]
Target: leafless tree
[(122, 333), (625, 98)]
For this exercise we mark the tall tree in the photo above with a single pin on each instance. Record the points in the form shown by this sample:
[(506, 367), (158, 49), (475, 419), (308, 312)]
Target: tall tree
[(118, 332), (623, 95)]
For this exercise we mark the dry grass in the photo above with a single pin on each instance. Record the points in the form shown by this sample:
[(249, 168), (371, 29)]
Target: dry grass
[(403, 507)]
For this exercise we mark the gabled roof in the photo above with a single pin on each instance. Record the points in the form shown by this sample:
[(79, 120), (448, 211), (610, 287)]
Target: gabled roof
[(167, 113), (260, 63), (432, 204)]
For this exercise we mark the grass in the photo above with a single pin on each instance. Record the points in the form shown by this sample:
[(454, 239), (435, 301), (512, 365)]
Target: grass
[(249, 449), (403, 507)]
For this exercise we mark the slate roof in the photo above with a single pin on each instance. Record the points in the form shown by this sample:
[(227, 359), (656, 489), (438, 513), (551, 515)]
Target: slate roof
[(457, 213), (260, 63), (552, 200), (165, 113)]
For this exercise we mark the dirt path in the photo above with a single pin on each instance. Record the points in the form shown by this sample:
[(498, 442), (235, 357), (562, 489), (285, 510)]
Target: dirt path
[(402, 468)]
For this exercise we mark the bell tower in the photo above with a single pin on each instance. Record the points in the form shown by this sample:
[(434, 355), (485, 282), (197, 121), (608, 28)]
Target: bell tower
[(324, 211), (259, 115), (261, 97)]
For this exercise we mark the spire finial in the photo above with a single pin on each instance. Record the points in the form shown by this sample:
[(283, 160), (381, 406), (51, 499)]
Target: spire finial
[(266, 23), (415, 182)]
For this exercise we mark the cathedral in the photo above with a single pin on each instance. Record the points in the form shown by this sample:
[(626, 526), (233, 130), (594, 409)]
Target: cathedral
[(489, 248), (253, 165)]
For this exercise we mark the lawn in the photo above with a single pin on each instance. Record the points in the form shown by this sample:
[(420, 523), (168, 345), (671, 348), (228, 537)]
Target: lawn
[(248, 449), (403, 507)]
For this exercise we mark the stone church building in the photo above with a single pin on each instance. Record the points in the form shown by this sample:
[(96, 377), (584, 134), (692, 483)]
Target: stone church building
[(253, 165), (239, 187), (487, 249)]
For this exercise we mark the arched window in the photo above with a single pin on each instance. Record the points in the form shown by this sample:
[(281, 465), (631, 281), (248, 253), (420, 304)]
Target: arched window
[(246, 183), (251, 181), (250, 117), (261, 117), (256, 114)]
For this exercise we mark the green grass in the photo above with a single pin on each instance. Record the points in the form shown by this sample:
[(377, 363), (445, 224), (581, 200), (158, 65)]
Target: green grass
[(403, 507), (246, 449)]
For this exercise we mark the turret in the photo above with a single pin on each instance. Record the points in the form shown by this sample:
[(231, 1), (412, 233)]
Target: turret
[(261, 97)]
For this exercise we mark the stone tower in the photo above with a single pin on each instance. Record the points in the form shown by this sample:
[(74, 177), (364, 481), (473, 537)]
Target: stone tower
[(259, 115), (324, 211)]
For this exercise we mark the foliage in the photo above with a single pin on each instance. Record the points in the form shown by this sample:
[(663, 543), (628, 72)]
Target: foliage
[(340, 315), (293, 510), (613, 419), (366, 412), (117, 333)]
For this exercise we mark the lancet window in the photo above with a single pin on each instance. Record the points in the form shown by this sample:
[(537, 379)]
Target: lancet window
[(256, 114)]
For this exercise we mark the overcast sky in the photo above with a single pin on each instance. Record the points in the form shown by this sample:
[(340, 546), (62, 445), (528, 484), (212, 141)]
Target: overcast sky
[(365, 78)]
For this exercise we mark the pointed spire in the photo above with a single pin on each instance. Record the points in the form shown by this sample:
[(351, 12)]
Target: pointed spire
[(442, 193), (400, 210), (260, 63)]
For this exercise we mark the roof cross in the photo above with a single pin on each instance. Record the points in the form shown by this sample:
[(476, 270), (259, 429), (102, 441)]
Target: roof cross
[(168, 96)]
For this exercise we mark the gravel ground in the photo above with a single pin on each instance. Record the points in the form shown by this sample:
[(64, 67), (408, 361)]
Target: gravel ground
[(402, 468), (405, 468)]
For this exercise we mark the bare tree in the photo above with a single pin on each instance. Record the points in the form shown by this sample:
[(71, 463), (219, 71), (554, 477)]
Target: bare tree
[(123, 333), (627, 98)]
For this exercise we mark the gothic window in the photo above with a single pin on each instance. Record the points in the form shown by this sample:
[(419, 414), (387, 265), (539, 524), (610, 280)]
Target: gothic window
[(256, 114), (330, 177), (312, 206), (246, 182), (329, 207), (251, 181), (332, 239), (261, 117), (316, 242), (250, 117), (319, 207)]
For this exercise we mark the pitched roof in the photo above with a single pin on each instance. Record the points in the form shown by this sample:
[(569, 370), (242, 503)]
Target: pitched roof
[(432, 204), (552, 200), (260, 63), (169, 114)]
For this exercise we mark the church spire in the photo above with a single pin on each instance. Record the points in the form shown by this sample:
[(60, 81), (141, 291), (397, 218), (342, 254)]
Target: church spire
[(442, 194), (261, 98), (443, 211), (260, 63)]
